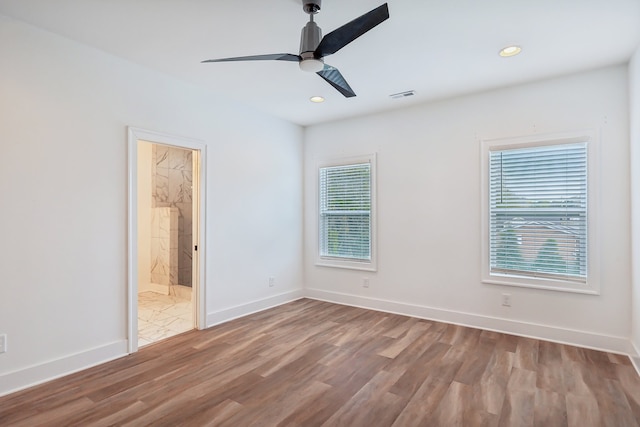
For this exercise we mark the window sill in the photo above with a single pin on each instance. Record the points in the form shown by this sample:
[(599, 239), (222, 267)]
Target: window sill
[(549, 285), (351, 265)]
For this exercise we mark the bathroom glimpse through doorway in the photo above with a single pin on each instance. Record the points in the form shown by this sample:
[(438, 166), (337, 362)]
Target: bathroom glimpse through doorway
[(166, 208)]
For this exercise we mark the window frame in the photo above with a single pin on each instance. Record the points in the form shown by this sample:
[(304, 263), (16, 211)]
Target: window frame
[(592, 283), (353, 264)]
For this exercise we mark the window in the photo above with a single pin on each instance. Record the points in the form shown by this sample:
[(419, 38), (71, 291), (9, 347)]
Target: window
[(537, 215), (346, 213)]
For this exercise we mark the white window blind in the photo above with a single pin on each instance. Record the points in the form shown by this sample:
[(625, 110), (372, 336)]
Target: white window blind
[(538, 212), (345, 212)]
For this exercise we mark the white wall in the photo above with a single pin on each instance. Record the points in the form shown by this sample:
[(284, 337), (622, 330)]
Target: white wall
[(64, 112), (634, 97), (429, 208)]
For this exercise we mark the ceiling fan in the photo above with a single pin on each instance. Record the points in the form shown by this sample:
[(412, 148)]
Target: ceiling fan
[(314, 47)]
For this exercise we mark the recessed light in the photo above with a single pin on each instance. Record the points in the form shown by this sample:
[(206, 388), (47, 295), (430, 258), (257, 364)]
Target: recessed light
[(316, 99), (510, 51)]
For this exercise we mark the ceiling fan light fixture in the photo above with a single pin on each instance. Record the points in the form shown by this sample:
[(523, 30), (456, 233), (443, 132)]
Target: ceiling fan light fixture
[(316, 99), (311, 65), (314, 47), (508, 51)]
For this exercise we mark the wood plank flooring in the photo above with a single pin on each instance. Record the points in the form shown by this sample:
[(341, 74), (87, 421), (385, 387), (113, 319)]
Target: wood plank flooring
[(311, 363)]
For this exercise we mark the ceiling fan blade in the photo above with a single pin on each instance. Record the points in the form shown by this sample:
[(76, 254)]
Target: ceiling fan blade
[(339, 38), (274, 57), (335, 79)]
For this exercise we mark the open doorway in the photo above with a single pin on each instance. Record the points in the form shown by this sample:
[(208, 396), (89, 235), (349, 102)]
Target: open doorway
[(166, 210), (165, 241)]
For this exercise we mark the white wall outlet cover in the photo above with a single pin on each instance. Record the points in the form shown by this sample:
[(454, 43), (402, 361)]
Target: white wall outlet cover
[(506, 300)]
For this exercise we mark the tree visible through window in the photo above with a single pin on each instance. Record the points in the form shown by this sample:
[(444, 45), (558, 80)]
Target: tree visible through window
[(538, 212)]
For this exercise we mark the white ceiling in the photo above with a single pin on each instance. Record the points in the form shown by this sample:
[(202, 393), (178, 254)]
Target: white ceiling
[(439, 48)]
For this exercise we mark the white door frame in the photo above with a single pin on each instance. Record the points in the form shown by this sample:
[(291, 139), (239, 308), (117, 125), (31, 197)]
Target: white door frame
[(199, 223)]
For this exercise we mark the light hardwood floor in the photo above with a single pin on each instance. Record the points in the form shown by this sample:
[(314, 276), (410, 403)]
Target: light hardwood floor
[(311, 363)]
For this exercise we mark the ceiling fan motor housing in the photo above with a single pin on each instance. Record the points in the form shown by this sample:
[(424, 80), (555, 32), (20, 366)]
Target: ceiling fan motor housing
[(309, 41), (311, 6), (310, 37)]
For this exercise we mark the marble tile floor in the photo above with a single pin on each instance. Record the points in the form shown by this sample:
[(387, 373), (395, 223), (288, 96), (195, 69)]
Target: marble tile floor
[(162, 316)]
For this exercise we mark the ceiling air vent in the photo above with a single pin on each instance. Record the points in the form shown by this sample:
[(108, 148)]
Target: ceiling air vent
[(402, 94)]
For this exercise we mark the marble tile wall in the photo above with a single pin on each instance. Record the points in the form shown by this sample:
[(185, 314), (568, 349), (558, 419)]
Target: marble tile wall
[(172, 176), (164, 246)]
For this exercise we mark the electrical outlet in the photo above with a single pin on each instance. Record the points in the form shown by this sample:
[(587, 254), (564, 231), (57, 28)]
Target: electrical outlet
[(3, 343), (365, 282), (272, 282), (506, 300)]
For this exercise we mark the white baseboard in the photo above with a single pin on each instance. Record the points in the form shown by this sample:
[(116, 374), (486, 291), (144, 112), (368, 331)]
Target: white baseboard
[(237, 311), (34, 375), (611, 344), (38, 374)]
